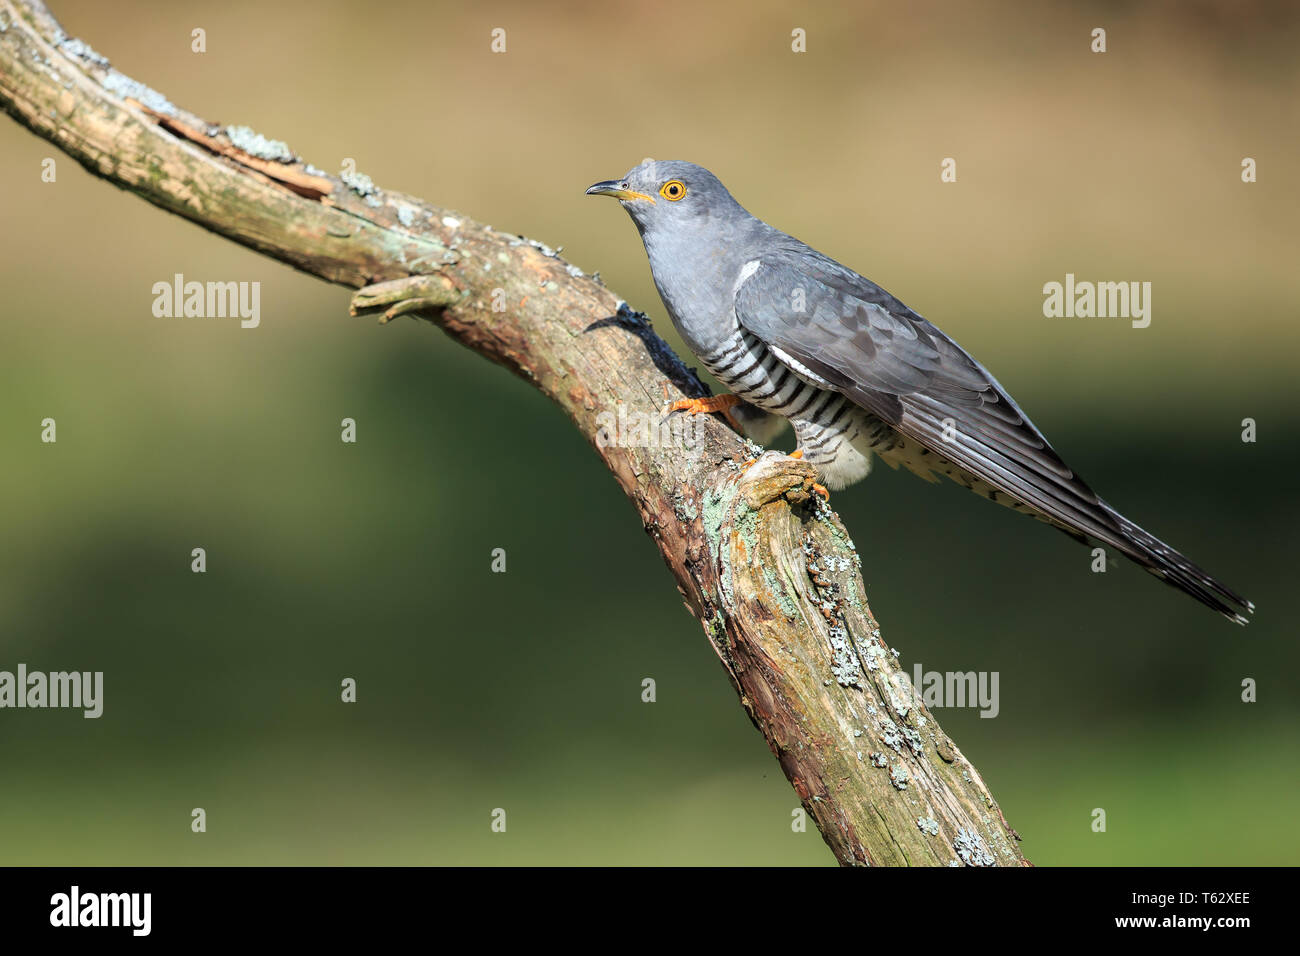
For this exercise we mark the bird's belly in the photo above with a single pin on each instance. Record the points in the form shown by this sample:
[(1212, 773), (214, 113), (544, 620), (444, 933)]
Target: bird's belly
[(835, 435), (751, 370)]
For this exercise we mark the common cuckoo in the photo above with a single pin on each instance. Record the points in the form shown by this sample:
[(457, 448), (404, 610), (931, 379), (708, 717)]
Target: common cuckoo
[(855, 371)]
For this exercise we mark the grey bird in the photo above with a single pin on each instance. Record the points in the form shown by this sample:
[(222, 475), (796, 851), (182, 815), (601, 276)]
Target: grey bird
[(855, 371)]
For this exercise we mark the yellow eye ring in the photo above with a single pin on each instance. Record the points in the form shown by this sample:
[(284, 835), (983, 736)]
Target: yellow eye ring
[(673, 190)]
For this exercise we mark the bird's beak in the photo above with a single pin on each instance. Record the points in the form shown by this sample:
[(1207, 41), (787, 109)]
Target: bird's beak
[(612, 187)]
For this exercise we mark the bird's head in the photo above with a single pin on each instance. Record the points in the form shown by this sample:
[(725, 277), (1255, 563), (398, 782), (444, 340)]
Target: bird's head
[(669, 194)]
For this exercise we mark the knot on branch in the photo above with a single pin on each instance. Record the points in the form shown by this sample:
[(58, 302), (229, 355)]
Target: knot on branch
[(775, 477)]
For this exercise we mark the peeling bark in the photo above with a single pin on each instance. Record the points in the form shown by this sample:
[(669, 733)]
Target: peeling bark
[(760, 560)]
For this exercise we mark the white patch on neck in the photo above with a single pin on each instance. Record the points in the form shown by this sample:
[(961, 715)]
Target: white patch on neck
[(747, 270)]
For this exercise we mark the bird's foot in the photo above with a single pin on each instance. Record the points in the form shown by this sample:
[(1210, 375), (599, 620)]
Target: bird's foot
[(714, 403)]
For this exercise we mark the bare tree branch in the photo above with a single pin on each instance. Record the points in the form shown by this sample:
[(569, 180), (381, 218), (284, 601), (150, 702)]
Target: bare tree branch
[(759, 559)]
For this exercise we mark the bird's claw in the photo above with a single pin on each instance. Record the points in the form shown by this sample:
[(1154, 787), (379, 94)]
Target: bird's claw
[(713, 403)]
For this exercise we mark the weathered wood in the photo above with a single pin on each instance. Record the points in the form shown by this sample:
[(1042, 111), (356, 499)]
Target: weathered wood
[(759, 559)]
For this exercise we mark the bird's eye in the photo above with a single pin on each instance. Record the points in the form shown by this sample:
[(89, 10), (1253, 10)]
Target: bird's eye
[(674, 189)]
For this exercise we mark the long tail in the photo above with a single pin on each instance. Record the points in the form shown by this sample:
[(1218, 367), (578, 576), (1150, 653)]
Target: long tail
[(1176, 570), (1079, 513)]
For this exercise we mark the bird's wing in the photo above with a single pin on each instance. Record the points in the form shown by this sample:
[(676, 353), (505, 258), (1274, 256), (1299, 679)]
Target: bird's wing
[(833, 327), (886, 358), (841, 331)]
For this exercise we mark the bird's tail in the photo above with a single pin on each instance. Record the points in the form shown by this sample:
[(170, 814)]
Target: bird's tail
[(1176, 570)]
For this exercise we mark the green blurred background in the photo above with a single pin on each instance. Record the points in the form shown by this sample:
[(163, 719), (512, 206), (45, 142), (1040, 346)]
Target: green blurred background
[(522, 690)]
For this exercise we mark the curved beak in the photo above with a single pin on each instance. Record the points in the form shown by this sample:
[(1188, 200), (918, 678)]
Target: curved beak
[(612, 187)]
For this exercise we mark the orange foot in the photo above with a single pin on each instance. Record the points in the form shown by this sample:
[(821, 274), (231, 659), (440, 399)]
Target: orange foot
[(714, 403), (817, 489)]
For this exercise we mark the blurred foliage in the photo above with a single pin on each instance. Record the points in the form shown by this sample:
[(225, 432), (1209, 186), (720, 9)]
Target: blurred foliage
[(522, 690)]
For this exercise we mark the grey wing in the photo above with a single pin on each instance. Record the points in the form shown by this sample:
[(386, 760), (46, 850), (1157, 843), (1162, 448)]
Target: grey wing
[(886, 358), (861, 341)]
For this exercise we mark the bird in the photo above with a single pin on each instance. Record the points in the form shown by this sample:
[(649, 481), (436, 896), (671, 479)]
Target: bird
[(804, 339)]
